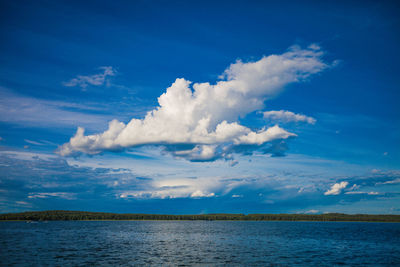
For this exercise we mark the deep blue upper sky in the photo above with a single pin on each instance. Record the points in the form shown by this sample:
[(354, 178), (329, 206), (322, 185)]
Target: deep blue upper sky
[(51, 52)]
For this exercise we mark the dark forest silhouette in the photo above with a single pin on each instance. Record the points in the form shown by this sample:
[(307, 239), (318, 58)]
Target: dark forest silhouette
[(61, 215)]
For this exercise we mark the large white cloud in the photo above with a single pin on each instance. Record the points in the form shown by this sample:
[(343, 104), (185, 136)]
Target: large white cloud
[(199, 121)]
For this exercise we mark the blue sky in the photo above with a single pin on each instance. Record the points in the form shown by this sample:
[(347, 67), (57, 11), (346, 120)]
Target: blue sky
[(200, 106)]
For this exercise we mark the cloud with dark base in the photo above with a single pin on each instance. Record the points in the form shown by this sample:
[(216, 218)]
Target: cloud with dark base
[(200, 121)]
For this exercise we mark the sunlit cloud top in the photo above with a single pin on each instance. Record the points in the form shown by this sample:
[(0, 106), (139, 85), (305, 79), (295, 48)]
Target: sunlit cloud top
[(199, 122)]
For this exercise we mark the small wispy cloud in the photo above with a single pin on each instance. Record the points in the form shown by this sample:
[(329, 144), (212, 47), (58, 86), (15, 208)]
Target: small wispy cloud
[(396, 181), (63, 195), (336, 189), (33, 142), (98, 79), (361, 193), (24, 203), (311, 211), (200, 193), (287, 116)]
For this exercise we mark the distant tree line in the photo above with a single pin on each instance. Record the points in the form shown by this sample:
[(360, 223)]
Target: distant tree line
[(61, 215)]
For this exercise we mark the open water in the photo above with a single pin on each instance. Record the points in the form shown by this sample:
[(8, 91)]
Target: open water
[(199, 243)]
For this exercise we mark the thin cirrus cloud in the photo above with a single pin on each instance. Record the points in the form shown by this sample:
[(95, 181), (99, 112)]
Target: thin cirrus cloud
[(34, 177), (362, 192), (30, 111), (95, 79), (287, 116), (199, 122), (63, 195), (33, 142)]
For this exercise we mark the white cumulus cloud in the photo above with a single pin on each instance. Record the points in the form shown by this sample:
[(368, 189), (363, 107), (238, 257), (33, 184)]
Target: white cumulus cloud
[(336, 189), (287, 116), (199, 121)]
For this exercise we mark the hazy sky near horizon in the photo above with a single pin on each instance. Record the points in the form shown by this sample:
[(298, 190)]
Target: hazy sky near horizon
[(200, 106)]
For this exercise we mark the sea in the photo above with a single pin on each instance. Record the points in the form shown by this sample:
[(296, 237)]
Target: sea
[(199, 243)]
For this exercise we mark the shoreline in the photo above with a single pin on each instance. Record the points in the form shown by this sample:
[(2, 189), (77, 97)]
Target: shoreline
[(64, 215), (34, 221)]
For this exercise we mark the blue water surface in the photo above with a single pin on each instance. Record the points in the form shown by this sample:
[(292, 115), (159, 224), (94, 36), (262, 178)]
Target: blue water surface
[(204, 243)]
